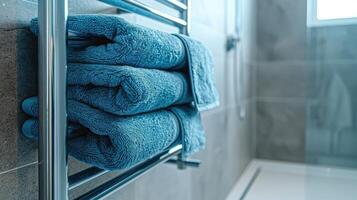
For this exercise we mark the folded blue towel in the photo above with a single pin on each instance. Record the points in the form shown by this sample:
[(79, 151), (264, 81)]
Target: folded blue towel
[(117, 142), (121, 43), (124, 90), (101, 39)]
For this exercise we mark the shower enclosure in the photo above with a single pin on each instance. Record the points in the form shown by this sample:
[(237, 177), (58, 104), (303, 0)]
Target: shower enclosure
[(331, 134), (304, 83)]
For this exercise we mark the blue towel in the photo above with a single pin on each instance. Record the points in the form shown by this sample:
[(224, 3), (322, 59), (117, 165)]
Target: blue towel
[(121, 43), (117, 142), (125, 90), (201, 74), (103, 39)]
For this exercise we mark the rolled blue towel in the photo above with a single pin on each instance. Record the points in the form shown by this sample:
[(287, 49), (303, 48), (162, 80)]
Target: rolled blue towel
[(103, 39), (117, 142), (125, 90)]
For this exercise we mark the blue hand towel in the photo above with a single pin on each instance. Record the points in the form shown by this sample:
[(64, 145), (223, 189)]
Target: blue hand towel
[(125, 90), (112, 40), (117, 142)]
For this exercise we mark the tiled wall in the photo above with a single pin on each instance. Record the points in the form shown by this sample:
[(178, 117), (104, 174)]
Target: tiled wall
[(294, 66), (280, 72), (228, 147)]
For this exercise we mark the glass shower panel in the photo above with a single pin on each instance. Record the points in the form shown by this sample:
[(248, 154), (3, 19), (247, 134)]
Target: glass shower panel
[(331, 107)]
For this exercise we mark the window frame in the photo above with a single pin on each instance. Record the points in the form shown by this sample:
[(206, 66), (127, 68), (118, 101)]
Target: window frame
[(313, 21)]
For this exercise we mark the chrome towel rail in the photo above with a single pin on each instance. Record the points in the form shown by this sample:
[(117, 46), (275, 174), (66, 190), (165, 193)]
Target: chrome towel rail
[(174, 4), (54, 182), (127, 177), (52, 16), (137, 7), (85, 176)]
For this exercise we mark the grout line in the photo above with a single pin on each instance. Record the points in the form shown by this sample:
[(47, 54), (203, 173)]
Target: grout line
[(294, 63), (16, 168), (246, 190), (281, 99), (30, 2)]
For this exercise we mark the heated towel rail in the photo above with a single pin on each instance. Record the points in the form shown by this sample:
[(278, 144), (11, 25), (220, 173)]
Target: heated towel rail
[(54, 182)]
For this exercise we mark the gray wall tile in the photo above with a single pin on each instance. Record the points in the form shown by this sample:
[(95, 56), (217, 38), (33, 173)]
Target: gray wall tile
[(281, 29), (210, 13), (18, 78), (281, 79), (280, 134), (20, 184), (165, 182)]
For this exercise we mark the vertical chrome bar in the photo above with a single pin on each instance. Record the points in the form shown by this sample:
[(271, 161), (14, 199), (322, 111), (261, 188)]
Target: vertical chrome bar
[(186, 16), (52, 16)]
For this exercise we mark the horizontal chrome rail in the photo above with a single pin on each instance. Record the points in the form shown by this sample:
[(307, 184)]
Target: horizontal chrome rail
[(186, 162), (130, 175), (174, 4), (140, 8), (85, 176)]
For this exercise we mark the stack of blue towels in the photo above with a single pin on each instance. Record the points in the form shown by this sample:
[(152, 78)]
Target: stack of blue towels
[(132, 92)]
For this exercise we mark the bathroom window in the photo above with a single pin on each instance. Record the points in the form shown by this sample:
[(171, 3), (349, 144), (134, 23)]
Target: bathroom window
[(331, 12)]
